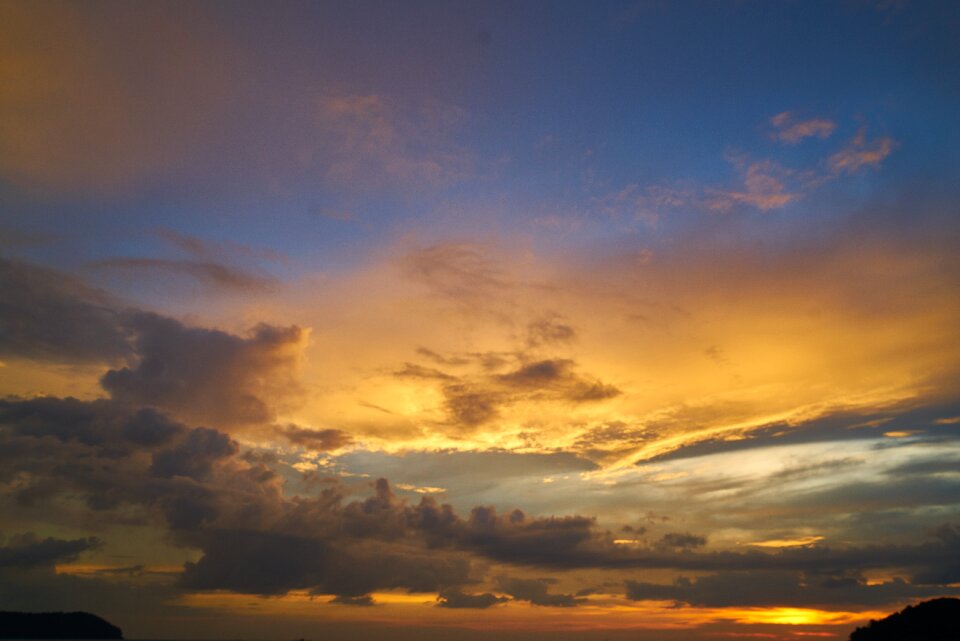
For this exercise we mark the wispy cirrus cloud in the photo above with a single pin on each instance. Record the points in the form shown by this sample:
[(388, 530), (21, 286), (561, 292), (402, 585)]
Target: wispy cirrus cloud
[(204, 272), (861, 153), (789, 129), (764, 188), (372, 140)]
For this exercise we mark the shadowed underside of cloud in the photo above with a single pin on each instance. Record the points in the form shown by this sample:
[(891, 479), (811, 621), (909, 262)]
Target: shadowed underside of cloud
[(28, 550)]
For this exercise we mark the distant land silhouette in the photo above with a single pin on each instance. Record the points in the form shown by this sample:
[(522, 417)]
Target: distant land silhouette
[(934, 620), (56, 625)]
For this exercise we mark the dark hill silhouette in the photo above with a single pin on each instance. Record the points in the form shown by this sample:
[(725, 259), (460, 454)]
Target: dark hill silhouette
[(934, 620), (56, 625)]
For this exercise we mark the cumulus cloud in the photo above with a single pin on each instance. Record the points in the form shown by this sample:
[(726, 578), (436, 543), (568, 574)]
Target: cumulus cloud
[(202, 375), (208, 375)]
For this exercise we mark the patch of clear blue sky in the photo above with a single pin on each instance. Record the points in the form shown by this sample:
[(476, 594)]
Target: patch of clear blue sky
[(566, 102)]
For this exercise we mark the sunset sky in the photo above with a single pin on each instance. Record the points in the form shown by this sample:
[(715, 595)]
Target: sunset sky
[(525, 321)]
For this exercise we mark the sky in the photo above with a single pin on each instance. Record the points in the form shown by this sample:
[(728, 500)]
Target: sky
[(479, 320)]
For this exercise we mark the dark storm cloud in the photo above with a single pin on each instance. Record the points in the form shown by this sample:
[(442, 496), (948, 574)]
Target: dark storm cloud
[(456, 599), (28, 550), (48, 315), (207, 375), (318, 440), (536, 591)]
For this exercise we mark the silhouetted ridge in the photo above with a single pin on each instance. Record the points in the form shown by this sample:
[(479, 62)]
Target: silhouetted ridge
[(56, 625), (935, 620)]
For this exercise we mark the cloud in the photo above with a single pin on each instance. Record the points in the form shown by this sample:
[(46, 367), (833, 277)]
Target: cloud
[(536, 591), (680, 541), (779, 588), (461, 272), (51, 316), (28, 550), (549, 331), (861, 154), (195, 456), (318, 440), (204, 375), (360, 601), (204, 272), (456, 599), (646, 204), (275, 563), (252, 538), (556, 377), (790, 130), (370, 140), (474, 399), (764, 185), (208, 375)]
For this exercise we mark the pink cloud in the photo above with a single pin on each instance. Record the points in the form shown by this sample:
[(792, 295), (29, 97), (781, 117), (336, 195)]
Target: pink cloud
[(791, 131), (859, 154)]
